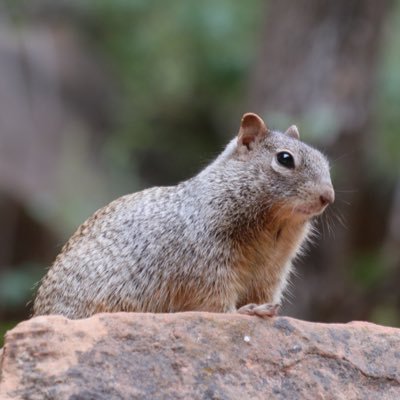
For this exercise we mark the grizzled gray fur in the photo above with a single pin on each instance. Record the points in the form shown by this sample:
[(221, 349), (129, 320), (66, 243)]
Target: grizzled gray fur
[(221, 241)]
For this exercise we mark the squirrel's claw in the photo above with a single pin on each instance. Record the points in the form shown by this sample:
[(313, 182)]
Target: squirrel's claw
[(266, 310)]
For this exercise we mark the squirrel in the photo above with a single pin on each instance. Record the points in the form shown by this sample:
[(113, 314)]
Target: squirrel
[(222, 241)]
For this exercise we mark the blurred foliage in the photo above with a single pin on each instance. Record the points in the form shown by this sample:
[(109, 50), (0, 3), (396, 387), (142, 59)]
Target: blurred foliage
[(16, 285), (4, 327), (388, 99), (385, 314), (364, 269), (16, 290), (181, 68)]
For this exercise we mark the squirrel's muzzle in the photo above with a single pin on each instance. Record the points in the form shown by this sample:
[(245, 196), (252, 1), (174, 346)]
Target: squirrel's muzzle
[(327, 196)]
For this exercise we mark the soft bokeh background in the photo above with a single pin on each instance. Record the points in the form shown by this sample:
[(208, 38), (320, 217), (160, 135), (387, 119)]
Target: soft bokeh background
[(102, 98)]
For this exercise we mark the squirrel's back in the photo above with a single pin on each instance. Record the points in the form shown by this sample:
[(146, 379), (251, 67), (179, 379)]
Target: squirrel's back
[(216, 242)]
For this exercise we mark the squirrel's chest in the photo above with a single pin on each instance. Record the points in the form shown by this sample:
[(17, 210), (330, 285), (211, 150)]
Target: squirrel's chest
[(267, 255)]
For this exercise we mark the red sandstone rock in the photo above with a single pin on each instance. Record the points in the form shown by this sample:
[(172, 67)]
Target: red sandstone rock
[(198, 356)]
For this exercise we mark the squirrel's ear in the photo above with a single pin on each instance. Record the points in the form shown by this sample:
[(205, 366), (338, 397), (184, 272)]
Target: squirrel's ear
[(293, 132), (252, 130)]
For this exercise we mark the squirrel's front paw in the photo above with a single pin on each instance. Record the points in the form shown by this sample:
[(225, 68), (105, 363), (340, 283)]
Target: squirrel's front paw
[(266, 310)]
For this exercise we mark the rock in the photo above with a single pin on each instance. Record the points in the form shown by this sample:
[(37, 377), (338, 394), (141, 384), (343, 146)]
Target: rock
[(198, 356)]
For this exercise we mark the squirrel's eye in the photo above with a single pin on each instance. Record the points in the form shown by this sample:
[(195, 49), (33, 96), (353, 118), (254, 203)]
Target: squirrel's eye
[(286, 159)]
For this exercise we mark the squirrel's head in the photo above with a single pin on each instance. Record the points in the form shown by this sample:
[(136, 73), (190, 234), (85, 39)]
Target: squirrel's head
[(294, 175)]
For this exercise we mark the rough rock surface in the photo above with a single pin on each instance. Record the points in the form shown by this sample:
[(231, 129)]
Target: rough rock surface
[(198, 356)]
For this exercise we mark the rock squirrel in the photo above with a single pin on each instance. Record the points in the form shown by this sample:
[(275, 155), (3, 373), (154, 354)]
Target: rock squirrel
[(221, 241)]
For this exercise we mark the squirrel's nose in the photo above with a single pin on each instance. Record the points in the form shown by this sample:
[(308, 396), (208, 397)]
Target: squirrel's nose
[(327, 196)]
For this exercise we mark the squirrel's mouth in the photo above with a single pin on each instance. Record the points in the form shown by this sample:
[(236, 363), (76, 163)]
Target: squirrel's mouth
[(317, 204), (310, 210)]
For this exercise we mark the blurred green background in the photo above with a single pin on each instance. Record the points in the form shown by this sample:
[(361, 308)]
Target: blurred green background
[(103, 98)]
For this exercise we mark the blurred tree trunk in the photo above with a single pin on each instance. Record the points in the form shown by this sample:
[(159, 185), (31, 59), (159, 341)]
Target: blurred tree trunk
[(317, 67)]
